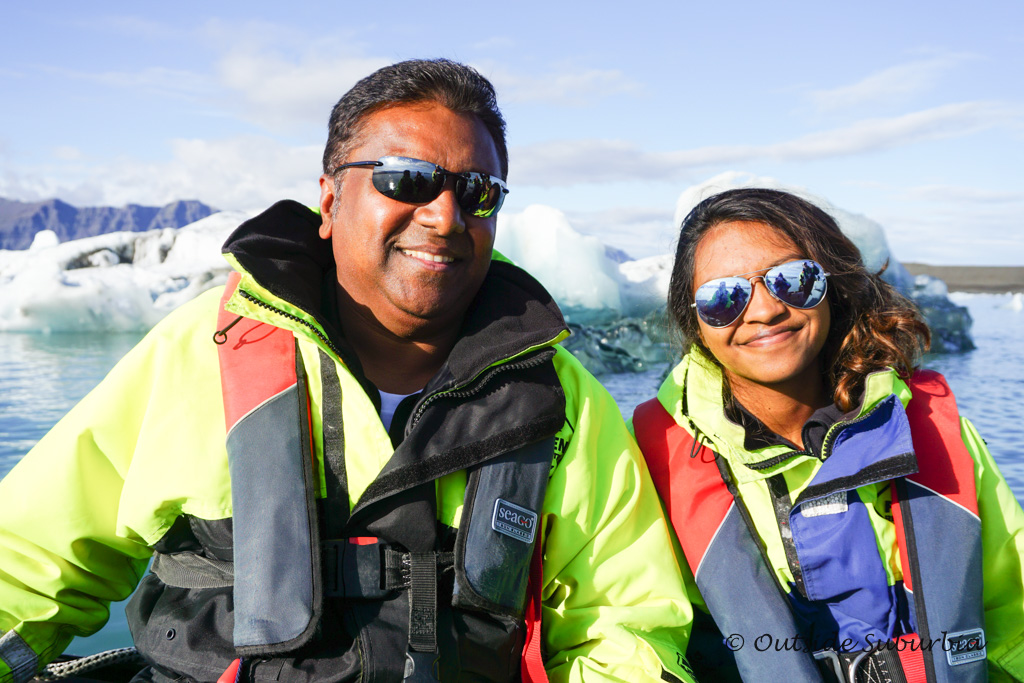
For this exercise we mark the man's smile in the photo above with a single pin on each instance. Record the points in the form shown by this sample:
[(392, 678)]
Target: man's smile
[(427, 256)]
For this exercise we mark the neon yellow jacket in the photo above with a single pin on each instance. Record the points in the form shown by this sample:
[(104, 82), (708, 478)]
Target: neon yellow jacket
[(1002, 521), (80, 513)]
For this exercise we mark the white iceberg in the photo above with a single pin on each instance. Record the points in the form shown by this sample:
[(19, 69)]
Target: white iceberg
[(117, 282)]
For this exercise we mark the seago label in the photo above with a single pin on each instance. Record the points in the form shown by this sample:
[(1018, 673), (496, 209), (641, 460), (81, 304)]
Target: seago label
[(514, 521), (965, 646)]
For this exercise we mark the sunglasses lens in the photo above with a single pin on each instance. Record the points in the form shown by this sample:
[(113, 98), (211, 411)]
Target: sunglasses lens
[(720, 302), (800, 284), (408, 180), (479, 194)]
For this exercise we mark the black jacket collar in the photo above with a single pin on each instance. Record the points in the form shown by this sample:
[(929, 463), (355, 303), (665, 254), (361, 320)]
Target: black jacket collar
[(282, 249)]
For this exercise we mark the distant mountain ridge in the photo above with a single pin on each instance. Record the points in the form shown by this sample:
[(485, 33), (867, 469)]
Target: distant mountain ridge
[(20, 221)]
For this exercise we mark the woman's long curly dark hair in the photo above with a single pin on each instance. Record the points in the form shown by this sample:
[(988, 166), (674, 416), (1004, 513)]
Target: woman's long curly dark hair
[(873, 326)]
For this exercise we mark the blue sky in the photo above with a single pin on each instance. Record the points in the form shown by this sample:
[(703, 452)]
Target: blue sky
[(912, 114)]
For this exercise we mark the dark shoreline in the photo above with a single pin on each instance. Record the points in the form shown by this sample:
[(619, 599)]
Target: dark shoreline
[(980, 279)]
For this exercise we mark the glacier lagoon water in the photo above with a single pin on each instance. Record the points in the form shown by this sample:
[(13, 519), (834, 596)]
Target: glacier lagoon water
[(43, 376)]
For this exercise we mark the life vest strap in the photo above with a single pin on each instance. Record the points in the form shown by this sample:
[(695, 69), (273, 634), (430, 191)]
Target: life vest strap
[(357, 570), (533, 656)]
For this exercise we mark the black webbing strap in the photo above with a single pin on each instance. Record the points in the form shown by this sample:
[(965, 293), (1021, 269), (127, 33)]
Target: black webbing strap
[(782, 505), (373, 571), (335, 478), (423, 602)]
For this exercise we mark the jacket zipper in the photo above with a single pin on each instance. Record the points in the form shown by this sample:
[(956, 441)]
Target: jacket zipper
[(825, 444), (474, 385), (830, 435), (259, 302)]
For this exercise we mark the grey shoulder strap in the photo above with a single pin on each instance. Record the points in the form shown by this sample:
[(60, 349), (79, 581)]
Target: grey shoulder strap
[(188, 570)]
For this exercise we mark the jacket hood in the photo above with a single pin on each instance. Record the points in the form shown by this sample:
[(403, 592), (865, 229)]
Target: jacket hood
[(282, 252), (692, 395)]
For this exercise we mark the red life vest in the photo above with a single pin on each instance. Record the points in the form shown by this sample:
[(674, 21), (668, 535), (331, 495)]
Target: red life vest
[(938, 504), (252, 377)]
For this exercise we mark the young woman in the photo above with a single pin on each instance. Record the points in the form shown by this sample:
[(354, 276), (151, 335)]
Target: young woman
[(841, 520)]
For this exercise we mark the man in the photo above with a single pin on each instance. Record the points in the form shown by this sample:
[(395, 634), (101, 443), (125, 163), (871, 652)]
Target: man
[(383, 469)]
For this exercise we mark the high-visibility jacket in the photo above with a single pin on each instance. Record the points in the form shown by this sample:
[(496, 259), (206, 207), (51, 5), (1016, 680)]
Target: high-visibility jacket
[(142, 464), (821, 559)]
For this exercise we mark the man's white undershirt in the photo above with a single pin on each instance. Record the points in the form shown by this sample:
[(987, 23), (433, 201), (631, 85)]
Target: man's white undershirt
[(388, 405)]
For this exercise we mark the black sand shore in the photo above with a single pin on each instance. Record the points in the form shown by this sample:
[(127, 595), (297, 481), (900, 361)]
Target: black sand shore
[(985, 279)]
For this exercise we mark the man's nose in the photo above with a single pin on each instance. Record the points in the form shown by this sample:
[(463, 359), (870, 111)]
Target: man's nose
[(444, 213)]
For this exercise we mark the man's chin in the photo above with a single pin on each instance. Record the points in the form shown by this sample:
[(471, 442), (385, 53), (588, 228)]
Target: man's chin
[(412, 320)]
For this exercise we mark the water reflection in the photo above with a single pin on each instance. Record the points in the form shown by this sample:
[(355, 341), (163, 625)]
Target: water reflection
[(43, 376)]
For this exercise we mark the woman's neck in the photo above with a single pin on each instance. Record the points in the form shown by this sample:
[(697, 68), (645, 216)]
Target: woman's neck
[(783, 408)]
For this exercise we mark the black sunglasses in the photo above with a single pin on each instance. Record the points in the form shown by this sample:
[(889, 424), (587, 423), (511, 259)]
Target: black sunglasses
[(800, 284), (415, 181)]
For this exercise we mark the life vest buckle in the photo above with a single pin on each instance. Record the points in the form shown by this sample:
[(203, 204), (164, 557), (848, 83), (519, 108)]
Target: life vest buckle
[(370, 569), (879, 663), (354, 570)]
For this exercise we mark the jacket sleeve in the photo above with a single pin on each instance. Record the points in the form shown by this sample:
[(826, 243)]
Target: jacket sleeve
[(614, 603), (79, 512), (1002, 542)]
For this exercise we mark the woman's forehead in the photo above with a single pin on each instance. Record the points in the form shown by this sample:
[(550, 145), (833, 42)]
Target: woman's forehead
[(735, 247)]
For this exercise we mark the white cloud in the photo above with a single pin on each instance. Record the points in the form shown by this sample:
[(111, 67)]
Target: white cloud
[(895, 83), (638, 231), (565, 85), (67, 153), (169, 82), (565, 162), (945, 194), (280, 92), (282, 78), (245, 173), (963, 236), (960, 195)]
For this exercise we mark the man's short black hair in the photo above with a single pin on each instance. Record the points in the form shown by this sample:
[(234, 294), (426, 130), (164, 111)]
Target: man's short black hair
[(458, 87)]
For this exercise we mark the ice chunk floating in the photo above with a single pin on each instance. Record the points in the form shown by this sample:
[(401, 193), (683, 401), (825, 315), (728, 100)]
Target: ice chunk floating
[(117, 282)]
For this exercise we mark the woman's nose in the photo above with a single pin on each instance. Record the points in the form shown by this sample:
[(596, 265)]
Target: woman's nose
[(763, 307)]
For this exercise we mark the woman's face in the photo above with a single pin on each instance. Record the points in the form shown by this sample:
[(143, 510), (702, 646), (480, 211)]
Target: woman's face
[(770, 344)]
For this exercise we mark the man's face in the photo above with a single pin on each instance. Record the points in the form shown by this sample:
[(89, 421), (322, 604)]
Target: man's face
[(410, 268)]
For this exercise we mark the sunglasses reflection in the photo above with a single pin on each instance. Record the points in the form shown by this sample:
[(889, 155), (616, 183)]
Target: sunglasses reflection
[(800, 284), (726, 305), (409, 187)]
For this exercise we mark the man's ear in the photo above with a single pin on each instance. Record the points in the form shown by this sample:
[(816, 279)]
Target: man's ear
[(327, 199)]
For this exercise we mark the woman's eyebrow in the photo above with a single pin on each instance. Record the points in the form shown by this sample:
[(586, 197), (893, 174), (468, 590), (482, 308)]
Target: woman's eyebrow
[(785, 259)]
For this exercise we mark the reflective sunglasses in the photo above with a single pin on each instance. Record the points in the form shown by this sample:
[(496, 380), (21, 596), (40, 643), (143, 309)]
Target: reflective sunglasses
[(414, 181), (800, 284)]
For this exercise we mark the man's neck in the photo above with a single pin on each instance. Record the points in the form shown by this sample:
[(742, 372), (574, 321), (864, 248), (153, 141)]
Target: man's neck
[(395, 363)]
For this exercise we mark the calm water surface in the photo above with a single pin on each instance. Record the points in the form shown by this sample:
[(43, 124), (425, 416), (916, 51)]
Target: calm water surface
[(42, 376)]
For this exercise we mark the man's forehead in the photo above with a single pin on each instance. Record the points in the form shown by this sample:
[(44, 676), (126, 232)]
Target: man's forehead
[(426, 129)]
